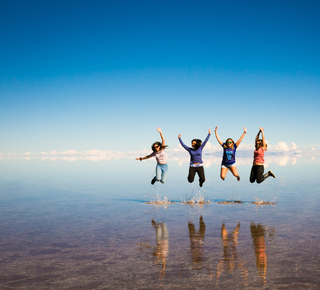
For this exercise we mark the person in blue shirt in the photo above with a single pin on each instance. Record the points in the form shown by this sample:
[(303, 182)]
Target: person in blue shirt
[(196, 158), (229, 153)]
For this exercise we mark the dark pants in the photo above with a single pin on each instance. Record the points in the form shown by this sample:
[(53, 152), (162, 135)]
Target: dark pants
[(257, 174), (192, 173)]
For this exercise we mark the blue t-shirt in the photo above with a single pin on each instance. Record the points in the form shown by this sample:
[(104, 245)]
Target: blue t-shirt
[(229, 155), (195, 155)]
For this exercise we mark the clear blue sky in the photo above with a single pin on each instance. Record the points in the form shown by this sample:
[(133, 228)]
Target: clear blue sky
[(104, 74)]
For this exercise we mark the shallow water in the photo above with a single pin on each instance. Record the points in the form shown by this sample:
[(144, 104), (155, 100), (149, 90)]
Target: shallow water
[(87, 225)]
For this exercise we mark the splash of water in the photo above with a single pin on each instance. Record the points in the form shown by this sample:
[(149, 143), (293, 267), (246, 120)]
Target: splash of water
[(262, 202), (157, 199), (197, 198)]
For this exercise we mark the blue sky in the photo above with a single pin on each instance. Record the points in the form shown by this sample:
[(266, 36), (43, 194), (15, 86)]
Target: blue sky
[(86, 75)]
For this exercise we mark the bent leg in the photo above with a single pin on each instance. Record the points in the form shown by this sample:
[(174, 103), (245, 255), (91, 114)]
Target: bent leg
[(260, 176), (201, 175), (158, 172), (164, 169), (253, 174), (223, 172), (234, 171), (192, 173)]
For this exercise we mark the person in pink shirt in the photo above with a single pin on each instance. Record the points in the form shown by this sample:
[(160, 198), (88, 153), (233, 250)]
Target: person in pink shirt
[(258, 160)]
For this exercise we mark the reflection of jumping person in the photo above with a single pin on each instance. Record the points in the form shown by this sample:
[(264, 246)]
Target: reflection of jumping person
[(258, 160), (162, 238), (161, 157), (258, 237), (196, 158), (197, 240), (230, 243), (230, 260), (229, 152)]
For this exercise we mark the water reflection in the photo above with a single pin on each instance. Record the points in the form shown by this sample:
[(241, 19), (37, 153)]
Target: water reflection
[(93, 227), (236, 258), (230, 259), (161, 250), (196, 243), (258, 233)]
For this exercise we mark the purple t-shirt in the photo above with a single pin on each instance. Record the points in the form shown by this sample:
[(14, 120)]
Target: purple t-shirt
[(229, 155), (195, 155)]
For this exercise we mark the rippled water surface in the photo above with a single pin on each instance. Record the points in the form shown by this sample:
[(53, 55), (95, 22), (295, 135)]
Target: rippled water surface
[(87, 225)]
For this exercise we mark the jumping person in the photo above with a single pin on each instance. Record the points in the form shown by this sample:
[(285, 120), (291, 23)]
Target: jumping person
[(229, 153), (258, 160), (196, 158), (161, 157)]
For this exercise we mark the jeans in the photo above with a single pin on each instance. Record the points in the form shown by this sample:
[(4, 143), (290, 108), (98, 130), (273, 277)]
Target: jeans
[(161, 172)]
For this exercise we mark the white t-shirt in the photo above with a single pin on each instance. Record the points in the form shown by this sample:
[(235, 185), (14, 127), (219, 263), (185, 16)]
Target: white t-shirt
[(161, 156)]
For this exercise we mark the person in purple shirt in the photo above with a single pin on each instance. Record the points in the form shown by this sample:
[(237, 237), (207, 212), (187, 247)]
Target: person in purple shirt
[(229, 153), (196, 158)]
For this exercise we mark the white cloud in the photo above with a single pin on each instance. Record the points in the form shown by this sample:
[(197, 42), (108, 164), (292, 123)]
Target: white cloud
[(281, 146), (280, 153)]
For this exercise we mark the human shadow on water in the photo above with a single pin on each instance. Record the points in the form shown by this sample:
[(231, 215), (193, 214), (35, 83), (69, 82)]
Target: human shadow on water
[(196, 243)]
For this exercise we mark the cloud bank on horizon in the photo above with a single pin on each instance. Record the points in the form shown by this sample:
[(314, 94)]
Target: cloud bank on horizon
[(281, 153)]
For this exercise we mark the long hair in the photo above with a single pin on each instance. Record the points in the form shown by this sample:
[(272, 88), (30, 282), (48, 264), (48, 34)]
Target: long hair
[(261, 144), (225, 143), (159, 144), (198, 144)]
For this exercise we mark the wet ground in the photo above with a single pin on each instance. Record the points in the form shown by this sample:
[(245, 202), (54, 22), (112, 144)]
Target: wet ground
[(60, 230)]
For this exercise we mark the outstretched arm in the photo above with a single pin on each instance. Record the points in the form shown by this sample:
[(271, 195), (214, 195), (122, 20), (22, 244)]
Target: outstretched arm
[(162, 138), (217, 136), (146, 157), (242, 136)]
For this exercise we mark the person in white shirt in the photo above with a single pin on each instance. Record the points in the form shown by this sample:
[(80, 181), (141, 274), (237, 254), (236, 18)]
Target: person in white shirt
[(161, 156)]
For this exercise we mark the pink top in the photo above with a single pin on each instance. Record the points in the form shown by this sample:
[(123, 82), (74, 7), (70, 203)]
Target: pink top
[(258, 156)]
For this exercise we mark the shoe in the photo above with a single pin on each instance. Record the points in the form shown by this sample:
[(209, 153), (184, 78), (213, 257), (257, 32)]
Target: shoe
[(200, 183), (271, 174), (153, 181), (238, 178)]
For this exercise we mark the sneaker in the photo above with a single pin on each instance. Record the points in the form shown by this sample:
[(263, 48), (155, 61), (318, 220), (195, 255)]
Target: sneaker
[(271, 174), (153, 181)]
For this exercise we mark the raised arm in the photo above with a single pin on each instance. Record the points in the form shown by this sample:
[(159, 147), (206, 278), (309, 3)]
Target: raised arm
[(263, 138), (217, 136), (205, 141), (257, 137), (182, 144), (161, 135), (242, 136)]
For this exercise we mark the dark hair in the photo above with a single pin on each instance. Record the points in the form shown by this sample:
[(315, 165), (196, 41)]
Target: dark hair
[(159, 144), (261, 144), (225, 143), (198, 143)]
